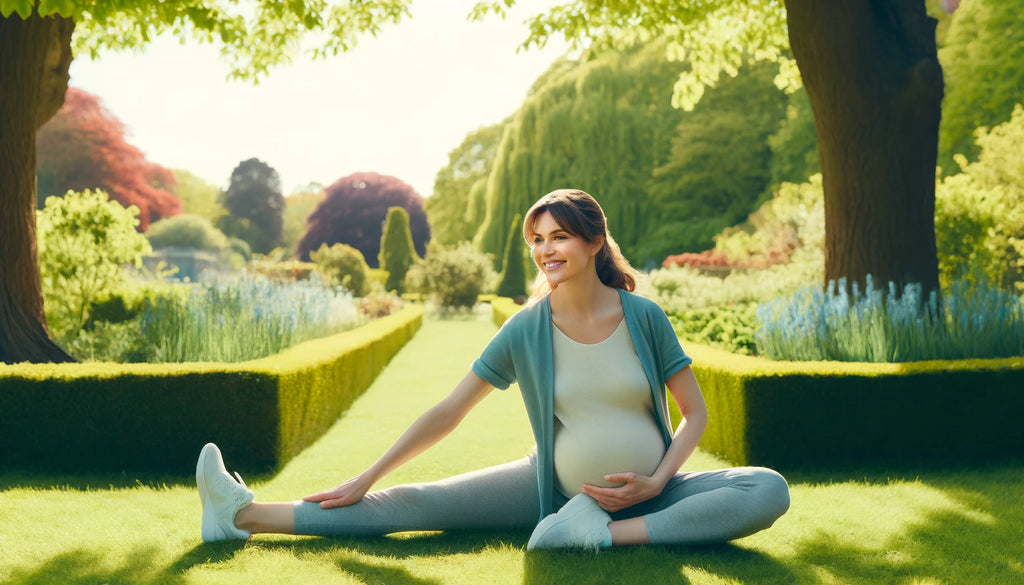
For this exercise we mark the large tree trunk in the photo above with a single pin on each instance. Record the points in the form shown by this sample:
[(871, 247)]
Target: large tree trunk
[(35, 54), (874, 80)]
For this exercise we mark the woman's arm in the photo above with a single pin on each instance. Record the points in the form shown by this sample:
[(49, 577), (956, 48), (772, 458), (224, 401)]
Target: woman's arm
[(429, 428), (686, 392)]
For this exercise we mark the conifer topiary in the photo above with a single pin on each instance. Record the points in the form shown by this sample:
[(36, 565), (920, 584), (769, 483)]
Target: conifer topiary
[(513, 272), (397, 251)]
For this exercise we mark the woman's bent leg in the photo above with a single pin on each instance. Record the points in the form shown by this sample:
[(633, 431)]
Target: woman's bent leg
[(716, 506), (504, 496)]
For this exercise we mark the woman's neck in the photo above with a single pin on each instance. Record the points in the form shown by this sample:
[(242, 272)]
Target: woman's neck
[(588, 299)]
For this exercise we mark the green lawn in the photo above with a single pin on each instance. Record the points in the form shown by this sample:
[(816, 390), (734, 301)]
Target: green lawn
[(867, 526)]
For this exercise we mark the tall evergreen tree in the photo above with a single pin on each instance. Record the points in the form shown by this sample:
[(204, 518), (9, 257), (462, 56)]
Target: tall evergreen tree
[(513, 273), (397, 251), (255, 206)]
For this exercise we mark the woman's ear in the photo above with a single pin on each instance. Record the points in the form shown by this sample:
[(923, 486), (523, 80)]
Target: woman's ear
[(596, 245)]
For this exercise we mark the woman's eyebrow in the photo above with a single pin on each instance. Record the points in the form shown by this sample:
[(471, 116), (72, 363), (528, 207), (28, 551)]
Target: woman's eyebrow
[(552, 232)]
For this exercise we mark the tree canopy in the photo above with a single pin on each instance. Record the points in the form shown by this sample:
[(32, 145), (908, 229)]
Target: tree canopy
[(84, 147), (254, 35), (255, 206), (982, 54), (456, 208), (35, 54)]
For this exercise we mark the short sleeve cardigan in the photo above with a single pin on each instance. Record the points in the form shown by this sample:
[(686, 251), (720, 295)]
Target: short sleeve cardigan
[(521, 351)]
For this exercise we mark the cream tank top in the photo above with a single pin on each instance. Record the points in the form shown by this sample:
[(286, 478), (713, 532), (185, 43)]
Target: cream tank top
[(604, 414)]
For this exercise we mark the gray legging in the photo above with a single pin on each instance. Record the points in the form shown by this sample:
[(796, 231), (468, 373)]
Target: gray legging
[(694, 508)]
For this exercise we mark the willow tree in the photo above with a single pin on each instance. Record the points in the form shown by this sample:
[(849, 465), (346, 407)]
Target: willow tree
[(874, 81), (36, 41), (602, 126), (456, 208)]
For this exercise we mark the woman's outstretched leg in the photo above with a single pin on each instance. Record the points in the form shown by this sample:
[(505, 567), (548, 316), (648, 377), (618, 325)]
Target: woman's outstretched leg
[(504, 496)]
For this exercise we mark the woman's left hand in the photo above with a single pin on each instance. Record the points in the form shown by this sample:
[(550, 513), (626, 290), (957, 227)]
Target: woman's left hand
[(638, 488)]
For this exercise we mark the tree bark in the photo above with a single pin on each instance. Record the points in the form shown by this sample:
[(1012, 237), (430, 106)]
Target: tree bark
[(35, 55), (873, 77)]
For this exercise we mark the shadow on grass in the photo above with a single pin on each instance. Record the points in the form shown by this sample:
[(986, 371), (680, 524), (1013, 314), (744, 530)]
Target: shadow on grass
[(13, 479), (141, 567), (980, 541), (660, 564)]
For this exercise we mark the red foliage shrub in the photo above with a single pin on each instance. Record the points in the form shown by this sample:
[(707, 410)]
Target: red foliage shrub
[(354, 210)]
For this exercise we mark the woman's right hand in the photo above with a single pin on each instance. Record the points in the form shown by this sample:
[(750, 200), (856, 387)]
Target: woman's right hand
[(343, 494)]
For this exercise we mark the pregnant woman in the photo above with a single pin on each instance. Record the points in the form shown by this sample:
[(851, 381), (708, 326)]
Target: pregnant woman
[(592, 361)]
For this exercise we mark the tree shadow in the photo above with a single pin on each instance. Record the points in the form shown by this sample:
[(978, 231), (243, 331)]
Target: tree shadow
[(975, 540), (404, 545), (659, 564), (141, 567), (17, 479)]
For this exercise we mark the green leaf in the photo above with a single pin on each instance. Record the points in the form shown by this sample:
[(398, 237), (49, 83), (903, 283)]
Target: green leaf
[(22, 7)]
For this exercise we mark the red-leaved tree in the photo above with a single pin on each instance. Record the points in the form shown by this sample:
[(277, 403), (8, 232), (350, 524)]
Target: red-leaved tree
[(354, 210), (84, 147)]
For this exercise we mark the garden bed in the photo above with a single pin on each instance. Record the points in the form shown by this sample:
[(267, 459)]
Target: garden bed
[(156, 417)]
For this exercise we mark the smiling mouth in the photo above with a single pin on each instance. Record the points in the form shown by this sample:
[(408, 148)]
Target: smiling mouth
[(552, 265)]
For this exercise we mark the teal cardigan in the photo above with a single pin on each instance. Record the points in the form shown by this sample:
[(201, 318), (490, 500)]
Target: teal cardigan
[(521, 351)]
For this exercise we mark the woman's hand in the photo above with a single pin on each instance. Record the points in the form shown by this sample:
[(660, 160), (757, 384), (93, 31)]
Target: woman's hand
[(638, 488), (344, 494)]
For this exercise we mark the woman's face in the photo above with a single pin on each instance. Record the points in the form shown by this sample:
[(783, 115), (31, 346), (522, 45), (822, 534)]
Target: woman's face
[(559, 255)]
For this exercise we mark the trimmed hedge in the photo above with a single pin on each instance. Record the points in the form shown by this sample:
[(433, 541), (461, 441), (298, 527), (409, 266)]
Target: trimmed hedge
[(829, 414), (156, 417), (834, 413), (502, 308)]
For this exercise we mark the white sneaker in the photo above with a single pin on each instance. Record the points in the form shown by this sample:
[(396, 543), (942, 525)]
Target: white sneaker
[(581, 523), (222, 496)]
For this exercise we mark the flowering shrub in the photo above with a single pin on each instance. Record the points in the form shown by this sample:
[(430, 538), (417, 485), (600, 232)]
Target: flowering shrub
[(379, 304)]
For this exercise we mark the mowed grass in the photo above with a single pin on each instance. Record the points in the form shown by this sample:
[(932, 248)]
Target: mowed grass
[(864, 526)]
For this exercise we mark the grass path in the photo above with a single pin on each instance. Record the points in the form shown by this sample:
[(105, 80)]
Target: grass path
[(871, 526)]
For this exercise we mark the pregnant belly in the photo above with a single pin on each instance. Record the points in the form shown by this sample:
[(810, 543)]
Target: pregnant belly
[(586, 457)]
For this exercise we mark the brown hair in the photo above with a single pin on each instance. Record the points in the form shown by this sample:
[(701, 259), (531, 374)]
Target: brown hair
[(579, 214)]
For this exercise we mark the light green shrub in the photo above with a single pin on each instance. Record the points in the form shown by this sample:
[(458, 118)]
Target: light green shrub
[(342, 265), (84, 240), (187, 231), (979, 215), (454, 276), (730, 327)]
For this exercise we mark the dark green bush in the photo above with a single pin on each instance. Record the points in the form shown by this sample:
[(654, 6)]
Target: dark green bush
[(513, 273)]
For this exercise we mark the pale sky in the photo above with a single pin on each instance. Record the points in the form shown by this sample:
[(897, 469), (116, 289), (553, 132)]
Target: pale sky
[(396, 104)]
